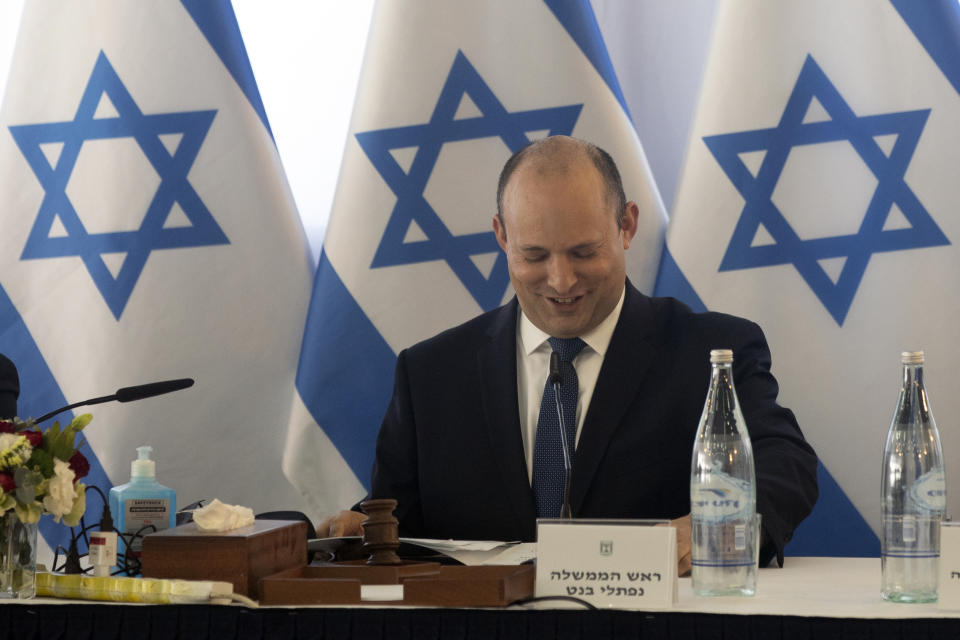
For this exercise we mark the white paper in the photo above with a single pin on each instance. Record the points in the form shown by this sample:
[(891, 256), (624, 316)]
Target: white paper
[(948, 591), (612, 564)]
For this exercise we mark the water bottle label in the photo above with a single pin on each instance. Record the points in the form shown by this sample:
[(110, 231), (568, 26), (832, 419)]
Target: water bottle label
[(909, 529), (929, 492), (721, 498), (740, 537)]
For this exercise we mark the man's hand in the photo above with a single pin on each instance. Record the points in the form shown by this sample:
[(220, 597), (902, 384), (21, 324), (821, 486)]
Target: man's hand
[(682, 525), (347, 523)]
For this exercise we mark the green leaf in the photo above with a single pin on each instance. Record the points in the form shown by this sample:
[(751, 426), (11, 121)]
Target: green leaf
[(53, 430), (42, 461), (50, 435), (78, 423), (27, 483), (29, 513), (61, 443)]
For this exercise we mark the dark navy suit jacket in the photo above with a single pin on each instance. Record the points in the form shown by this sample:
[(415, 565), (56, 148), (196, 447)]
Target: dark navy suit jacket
[(9, 388), (450, 448)]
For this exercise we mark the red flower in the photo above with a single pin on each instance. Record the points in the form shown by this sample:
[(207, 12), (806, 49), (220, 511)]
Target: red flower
[(6, 482), (6, 426), (79, 465), (35, 438)]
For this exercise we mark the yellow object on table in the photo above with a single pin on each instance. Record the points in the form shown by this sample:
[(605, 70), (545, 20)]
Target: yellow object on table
[(143, 590)]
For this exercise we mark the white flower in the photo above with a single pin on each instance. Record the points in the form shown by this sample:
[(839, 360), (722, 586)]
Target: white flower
[(60, 492), (7, 440)]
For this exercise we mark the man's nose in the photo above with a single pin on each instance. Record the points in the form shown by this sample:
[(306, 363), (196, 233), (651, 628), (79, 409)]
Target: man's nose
[(561, 276)]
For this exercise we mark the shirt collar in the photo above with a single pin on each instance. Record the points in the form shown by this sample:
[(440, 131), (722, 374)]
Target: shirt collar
[(598, 338)]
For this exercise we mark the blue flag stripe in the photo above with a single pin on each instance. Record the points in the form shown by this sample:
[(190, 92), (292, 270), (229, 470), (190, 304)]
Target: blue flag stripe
[(936, 24), (578, 19), (835, 528), (672, 282), (348, 402), (218, 23), (40, 393)]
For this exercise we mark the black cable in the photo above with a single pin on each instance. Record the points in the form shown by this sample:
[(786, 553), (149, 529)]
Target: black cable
[(56, 555), (106, 517), (71, 565), (583, 603), (131, 564)]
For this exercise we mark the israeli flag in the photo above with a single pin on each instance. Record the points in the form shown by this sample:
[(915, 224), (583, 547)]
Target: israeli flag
[(148, 234), (448, 91), (819, 199)]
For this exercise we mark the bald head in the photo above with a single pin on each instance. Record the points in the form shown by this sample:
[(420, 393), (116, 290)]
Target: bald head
[(565, 229), (562, 155)]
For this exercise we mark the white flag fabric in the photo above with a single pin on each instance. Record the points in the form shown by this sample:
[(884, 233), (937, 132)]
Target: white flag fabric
[(149, 234), (819, 199), (448, 91)]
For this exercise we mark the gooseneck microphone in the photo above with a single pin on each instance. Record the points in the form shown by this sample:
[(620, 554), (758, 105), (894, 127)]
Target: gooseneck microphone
[(128, 394), (556, 379)]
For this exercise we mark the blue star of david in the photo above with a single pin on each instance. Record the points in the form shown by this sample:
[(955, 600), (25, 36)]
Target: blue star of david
[(408, 187), (174, 187), (857, 248)]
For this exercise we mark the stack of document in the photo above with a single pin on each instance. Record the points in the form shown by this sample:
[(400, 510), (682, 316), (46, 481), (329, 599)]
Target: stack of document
[(468, 552)]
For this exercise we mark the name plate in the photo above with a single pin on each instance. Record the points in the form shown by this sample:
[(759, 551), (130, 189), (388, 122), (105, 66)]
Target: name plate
[(619, 564), (948, 590)]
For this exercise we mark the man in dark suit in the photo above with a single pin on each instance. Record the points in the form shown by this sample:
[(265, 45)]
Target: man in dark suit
[(9, 388), (458, 445)]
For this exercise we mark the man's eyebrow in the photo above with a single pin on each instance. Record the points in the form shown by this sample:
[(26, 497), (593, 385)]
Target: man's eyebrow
[(586, 245), (578, 247)]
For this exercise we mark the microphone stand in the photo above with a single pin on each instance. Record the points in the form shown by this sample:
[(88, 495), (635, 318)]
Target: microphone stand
[(556, 378), (127, 394)]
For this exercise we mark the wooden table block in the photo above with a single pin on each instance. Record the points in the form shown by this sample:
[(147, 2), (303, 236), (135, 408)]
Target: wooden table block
[(424, 584), (242, 556)]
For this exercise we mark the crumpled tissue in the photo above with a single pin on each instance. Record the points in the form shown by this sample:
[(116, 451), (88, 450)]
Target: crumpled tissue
[(219, 516)]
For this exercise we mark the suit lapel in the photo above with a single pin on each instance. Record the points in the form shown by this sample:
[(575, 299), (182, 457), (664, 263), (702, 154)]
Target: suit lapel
[(497, 362), (625, 365)]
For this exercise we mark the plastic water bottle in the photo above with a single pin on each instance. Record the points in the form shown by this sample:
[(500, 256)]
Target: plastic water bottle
[(723, 493), (914, 495)]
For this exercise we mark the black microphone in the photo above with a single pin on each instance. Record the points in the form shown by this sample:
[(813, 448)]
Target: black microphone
[(556, 376), (556, 379), (128, 394)]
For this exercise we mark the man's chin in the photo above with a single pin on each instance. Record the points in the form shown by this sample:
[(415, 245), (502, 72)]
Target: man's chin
[(560, 326)]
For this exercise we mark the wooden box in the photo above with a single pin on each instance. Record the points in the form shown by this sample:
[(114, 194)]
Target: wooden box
[(426, 584), (242, 556)]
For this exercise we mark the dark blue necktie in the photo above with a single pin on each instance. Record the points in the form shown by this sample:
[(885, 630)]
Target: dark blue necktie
[(548, 470)]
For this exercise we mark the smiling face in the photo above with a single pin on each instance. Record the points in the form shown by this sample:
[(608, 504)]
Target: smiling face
[(564, 250)]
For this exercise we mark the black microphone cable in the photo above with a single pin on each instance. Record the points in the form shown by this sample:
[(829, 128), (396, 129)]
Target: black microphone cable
[(556, 379)]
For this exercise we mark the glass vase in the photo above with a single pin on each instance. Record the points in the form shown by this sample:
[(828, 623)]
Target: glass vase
[(18, 557)]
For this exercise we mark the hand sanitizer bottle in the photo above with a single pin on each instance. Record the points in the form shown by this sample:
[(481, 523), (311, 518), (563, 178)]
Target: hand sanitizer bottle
[(141, 506)]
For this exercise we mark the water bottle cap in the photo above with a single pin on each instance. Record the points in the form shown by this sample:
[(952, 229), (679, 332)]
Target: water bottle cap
[(911, 357), (721, 356)]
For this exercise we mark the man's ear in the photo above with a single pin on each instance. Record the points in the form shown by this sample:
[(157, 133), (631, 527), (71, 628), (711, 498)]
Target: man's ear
[(628, 226), (501, 232)]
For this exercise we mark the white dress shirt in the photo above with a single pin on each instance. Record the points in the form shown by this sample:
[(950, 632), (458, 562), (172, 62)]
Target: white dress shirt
[(533, 367)]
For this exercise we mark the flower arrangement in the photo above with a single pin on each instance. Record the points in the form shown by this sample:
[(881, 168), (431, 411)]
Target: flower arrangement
[(39, 470)]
